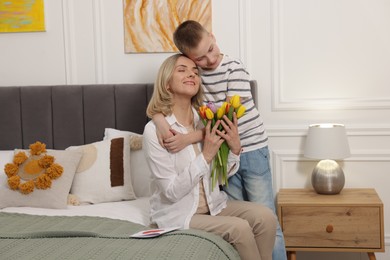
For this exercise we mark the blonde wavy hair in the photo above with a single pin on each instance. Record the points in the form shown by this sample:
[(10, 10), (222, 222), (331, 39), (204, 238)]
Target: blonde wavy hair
[(161, 101)]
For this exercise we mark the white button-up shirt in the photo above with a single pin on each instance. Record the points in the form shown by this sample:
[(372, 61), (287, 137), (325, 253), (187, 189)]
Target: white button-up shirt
[(175, 178)]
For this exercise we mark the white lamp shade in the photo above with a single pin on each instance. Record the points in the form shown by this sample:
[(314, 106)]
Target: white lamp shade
[(327, 141)]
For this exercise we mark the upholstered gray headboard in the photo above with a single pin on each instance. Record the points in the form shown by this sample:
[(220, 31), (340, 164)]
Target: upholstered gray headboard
[(65, 115)]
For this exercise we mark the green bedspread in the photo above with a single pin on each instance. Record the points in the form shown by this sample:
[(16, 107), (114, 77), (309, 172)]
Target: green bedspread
[(25, 236)]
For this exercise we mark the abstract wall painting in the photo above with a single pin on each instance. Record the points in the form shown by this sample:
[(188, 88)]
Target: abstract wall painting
[(22, 16), (149, 24)]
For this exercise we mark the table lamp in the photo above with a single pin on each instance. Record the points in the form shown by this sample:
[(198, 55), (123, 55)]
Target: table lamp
[(327, 142)]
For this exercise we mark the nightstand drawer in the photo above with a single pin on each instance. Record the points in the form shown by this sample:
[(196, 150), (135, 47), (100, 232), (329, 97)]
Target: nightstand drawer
[(336, 226)]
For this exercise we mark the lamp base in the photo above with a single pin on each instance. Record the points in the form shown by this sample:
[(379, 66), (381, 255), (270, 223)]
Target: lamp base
[(328, 177)]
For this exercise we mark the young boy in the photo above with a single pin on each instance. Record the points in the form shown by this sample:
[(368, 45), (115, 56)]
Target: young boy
[(223, 77)]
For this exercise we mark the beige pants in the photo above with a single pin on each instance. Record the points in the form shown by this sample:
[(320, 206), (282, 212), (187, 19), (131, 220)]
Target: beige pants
[(248, 226)]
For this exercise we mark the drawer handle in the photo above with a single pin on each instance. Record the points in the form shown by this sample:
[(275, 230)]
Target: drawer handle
[(329, 228)]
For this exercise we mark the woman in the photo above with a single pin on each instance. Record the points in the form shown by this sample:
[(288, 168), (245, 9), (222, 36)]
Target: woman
[(182, 193)]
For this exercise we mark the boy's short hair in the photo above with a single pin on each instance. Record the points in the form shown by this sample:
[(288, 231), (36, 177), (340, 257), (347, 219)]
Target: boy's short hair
[(188, 35)]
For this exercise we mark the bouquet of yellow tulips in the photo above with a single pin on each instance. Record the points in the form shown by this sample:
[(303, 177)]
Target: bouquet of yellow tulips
[(210, 112)]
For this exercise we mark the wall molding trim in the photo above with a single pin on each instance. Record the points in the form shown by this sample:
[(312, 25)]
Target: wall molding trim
[(280, 157), (282, 103), (301, 131), (245, 39), (68, 38), (98, 21)]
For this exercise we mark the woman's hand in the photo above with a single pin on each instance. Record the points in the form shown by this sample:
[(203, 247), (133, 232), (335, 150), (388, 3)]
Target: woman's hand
[(211, 142), (230, 133)]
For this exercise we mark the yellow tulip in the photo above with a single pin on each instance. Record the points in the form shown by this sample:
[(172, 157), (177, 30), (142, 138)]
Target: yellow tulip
[(235, 101), (220, 112), (240, 111), (209, 114), (224, 105)]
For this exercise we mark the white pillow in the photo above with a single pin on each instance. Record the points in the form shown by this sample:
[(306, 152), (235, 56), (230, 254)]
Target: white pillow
[(54, 197), (5, 157), (110, 133), (140, 172), (103, 174)]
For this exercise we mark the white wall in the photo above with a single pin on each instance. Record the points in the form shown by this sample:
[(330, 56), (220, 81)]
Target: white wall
[(325, 61), (315, 61), (84, 43)]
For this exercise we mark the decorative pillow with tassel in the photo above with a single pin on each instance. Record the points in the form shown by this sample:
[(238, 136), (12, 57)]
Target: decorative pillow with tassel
[(140, 172), (104, 172), (38, 177)]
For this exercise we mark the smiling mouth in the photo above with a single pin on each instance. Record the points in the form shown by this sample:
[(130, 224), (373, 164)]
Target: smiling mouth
[(190, 82)]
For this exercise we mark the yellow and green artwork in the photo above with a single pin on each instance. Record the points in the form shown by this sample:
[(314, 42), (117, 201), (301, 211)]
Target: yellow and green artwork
[(149, 24), (22, 16)]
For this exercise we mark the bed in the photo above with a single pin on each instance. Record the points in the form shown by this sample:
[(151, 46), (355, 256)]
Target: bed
[(93, 132)]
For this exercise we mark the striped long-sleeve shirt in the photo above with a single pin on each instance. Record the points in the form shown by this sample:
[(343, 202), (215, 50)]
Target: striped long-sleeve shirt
[(228, 79)]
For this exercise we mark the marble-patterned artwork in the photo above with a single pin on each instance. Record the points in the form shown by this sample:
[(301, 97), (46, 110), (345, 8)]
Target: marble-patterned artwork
[(149, 24)]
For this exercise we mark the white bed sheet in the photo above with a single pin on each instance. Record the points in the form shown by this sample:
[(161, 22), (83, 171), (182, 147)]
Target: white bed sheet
[(136, 211)]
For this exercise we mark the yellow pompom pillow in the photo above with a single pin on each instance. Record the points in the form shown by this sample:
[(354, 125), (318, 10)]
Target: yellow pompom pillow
[(38, 177), (33, 169)]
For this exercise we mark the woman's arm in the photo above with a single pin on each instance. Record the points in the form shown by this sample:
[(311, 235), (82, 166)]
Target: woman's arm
[(172, 183), (177, 174)]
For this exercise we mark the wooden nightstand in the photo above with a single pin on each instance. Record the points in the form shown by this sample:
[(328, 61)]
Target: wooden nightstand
[(351, 221)]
